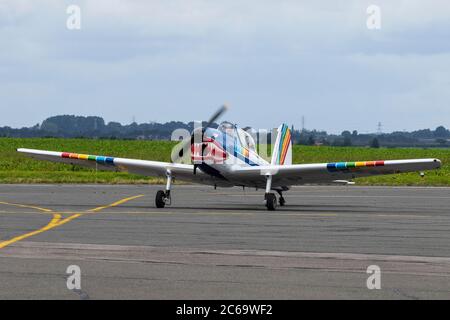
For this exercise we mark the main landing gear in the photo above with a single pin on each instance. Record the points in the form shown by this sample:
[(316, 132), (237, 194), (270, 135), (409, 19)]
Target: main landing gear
[(163, 197), (271, 201), (281, 201), (270, 198)]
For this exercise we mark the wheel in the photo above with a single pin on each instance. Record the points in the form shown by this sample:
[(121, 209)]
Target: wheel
[(282, 201), (160, 199), (271, 201)]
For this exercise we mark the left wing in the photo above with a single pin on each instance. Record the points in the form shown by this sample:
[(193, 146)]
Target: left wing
[(141, 167), (289, 175)]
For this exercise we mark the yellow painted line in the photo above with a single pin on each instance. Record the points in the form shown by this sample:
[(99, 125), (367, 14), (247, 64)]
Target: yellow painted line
[(115, 203), (56, 220), (60, 223), (26, 206), (53, 223), (22, 212)]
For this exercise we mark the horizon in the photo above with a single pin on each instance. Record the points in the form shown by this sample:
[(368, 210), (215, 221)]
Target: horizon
[(240, 125)]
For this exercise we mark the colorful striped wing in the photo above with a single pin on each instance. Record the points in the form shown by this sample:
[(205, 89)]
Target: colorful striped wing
[(142, 167), (289, 175)]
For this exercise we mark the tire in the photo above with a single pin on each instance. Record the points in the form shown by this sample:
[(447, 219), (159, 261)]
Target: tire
[(271, 201), (160, 199)]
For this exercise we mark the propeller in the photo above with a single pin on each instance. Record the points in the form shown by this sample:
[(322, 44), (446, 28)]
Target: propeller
[(197, 134), (217, 115)]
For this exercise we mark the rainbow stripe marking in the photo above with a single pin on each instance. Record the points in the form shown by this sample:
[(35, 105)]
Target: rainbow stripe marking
[(285, 142), (243, 154), (98, 159), (336, 166)]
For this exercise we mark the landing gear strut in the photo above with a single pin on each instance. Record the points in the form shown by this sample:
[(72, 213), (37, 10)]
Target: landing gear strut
[(270, 198), (163, 197)]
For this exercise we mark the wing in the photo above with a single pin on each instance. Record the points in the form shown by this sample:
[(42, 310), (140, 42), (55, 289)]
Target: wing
[(289, 175), (140, 167)]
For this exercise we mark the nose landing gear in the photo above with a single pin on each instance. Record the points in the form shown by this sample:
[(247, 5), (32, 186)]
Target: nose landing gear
[(162, 198)]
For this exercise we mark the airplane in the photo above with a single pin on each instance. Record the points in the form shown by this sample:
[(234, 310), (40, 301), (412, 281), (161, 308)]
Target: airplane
[(227, 157)]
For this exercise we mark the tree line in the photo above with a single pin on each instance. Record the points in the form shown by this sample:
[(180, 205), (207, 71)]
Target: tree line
[(70, 126)]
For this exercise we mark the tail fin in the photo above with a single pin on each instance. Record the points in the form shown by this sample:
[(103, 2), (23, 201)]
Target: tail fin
[(282, 150)]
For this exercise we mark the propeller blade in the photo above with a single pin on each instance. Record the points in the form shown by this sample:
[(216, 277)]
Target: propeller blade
[(187, 143), (217, 115)]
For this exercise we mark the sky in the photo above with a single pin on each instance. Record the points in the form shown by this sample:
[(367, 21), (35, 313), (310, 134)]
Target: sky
[(270, 61)]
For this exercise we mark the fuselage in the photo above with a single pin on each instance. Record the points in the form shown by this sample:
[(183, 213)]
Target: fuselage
[(222, 151)]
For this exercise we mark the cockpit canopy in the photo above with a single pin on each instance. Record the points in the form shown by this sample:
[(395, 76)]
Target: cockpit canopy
[(241, 136), (226, 127)]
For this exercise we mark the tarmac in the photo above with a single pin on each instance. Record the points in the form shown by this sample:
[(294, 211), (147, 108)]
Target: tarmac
[(224, 244)]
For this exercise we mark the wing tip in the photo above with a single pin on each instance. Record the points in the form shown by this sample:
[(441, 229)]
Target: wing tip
[(438, 162)]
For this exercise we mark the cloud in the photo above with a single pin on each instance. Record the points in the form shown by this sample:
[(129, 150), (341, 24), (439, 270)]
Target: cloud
[(273, 61)]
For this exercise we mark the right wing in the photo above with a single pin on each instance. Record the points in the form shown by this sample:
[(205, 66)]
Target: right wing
[(298, 174)]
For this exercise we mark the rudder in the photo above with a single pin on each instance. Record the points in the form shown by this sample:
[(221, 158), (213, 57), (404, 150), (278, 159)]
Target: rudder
[(282, 150)]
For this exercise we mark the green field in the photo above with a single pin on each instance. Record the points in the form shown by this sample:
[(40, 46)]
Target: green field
[(15, 168)]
